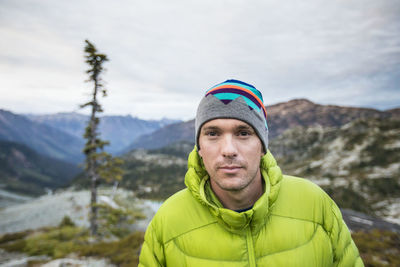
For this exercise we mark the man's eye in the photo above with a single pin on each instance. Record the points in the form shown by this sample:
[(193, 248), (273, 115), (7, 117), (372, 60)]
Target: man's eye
[(211, 133), (244, 133)]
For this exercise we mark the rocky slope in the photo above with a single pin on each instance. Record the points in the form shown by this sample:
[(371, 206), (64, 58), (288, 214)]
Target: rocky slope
[(302, 112), (49, 210), (358, 164)]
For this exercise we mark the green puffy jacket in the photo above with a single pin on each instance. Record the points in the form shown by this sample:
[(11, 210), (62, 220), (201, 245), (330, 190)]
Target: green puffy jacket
[(294, 223)]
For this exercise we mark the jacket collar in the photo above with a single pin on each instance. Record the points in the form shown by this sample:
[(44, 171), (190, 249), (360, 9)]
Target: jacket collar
[(197, 181)]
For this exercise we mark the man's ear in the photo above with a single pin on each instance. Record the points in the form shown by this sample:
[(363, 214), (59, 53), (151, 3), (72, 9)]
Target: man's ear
[(200, 154)]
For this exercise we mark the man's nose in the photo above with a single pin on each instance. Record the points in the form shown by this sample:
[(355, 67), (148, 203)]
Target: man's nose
[(228, 147)]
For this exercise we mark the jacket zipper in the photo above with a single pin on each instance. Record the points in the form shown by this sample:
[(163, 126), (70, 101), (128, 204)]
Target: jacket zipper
[(250, 247)]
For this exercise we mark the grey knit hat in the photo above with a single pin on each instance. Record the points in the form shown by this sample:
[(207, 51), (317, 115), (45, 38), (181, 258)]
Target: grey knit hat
[(234, 99)]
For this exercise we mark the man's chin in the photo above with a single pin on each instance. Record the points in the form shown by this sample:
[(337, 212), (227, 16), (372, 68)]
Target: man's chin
[(232, 186)]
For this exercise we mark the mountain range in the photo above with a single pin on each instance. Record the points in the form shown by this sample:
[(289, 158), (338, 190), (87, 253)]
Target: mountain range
[(120, 131), (282, 116), (60, 135), (177, 132), (332, 145), (44, 139), (43, 151)]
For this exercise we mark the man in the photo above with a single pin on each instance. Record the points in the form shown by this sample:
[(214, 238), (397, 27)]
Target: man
[(238, 209)]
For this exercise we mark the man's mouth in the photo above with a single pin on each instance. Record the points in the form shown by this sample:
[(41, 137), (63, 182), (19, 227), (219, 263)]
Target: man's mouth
[(230, 168)]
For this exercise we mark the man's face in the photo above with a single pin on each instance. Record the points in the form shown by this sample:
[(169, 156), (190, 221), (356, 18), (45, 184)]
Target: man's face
[(231, 152)]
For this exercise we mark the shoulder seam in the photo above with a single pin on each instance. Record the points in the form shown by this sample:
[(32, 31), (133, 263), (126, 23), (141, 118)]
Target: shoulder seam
[(204, 225), (300, 219), (208, 259)]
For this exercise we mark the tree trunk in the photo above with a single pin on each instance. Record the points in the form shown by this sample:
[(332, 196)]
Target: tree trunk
[(93, 202), (92, 166)]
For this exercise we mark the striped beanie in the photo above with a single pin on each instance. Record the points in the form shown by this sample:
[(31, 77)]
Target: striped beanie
[(234, 99)]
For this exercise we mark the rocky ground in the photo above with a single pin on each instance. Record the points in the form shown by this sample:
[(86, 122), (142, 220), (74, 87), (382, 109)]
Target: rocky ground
[(20, 213), (49, 210), (8, 259), (357, 221), (12, 259), (9, 199)]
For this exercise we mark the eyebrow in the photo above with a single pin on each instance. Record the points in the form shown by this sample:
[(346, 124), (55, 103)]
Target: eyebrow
[(210, 128), (244, 127), (239, 127)]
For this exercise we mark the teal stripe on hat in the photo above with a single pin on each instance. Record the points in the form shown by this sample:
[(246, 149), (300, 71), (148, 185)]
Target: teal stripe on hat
[(232, 96)]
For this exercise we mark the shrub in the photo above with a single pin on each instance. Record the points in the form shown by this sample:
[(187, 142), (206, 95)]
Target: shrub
[(14, 236), (124, 252), (66, 221), (378, 248), (56, 242)]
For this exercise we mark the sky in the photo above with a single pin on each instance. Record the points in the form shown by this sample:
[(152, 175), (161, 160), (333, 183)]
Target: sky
[(165, 54)]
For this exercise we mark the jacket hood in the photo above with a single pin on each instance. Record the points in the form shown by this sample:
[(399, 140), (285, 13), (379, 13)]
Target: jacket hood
[(196, 180)]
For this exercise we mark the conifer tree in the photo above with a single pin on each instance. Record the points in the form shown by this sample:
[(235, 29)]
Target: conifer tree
[(99, 164)]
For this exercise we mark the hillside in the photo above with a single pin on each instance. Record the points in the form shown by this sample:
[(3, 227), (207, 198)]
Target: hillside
[(358, 164), (24, 171), (394, 112), (302, 112), (282, 116), (119, 130), (42, 138), (182, 131), (153, 174)]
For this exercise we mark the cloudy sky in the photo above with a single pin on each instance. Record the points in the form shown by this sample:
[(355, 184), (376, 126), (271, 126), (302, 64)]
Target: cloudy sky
[(165, 54)]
